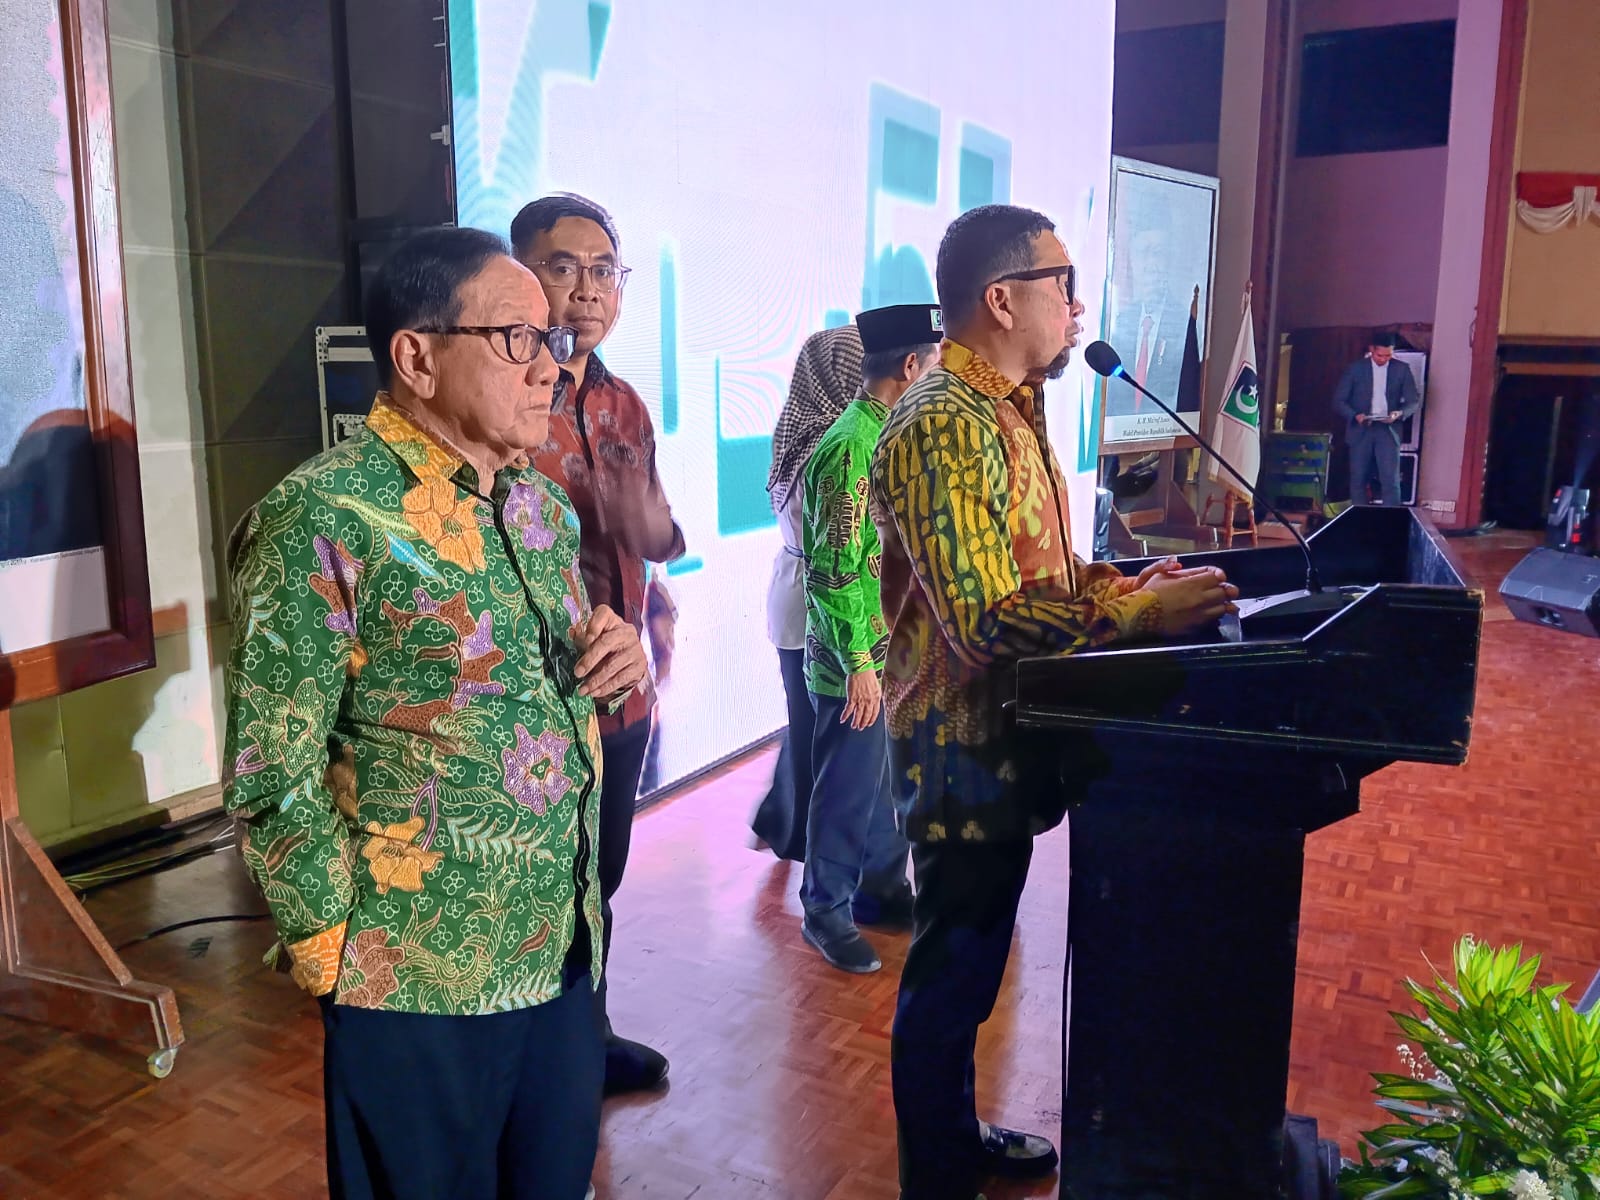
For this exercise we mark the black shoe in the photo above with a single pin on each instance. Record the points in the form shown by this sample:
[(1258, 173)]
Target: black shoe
[(848, 951), (883, 912), (632, 1067), (1013, 1155)]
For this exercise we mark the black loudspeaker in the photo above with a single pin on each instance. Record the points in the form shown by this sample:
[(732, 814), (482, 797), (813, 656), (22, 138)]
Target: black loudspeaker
[(1561, 591), (1410, 466)]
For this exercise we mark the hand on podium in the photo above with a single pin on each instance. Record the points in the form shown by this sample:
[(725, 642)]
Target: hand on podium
[(1166, 566), (1190, 598)]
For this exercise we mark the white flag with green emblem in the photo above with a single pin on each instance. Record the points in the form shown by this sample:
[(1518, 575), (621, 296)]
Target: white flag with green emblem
[(1237, 435)]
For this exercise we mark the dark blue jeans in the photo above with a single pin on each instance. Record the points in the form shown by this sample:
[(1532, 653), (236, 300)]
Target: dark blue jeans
[(851, 840)]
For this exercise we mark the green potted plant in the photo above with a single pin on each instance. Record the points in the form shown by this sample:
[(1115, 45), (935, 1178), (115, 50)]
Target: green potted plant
[(1502, 1092)]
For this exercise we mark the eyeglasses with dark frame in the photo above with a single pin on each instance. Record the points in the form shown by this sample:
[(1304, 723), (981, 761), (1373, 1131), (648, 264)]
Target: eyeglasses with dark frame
[(1069, 273), (566, 273), (522, 342)]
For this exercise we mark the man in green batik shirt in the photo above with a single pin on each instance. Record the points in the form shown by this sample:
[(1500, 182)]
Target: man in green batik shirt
[(855, 867), (413, 595)]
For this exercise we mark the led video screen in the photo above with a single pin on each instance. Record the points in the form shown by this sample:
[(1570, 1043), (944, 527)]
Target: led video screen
[(773, 169)]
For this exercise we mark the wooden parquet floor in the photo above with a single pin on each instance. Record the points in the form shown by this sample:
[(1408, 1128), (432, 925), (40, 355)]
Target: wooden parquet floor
[(780, 1065)]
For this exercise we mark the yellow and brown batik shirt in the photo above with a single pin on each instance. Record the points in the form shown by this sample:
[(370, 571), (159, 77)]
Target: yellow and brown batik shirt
[(385, 603), (977, 574)]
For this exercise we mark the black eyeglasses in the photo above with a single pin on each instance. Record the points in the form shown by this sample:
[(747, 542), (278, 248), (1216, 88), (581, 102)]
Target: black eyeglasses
[(565, 273), (522, 342), (1068, 275)]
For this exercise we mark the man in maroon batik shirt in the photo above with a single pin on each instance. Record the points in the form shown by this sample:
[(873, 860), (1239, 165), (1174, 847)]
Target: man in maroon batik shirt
[(601, 449)]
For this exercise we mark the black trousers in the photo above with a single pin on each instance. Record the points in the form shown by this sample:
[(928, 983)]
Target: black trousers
[(504, 1106), (622, 756), (781, 818), (1373, 449), (964, 915)]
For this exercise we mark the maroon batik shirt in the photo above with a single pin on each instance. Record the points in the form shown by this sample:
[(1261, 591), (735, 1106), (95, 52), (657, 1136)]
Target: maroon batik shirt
[(601, 449)]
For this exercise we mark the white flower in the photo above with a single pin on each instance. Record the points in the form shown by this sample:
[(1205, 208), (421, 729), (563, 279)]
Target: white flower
[(1528, 1186)]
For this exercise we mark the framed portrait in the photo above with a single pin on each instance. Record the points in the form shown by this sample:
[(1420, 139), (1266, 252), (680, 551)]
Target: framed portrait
[(74, 588), (1162, 246)]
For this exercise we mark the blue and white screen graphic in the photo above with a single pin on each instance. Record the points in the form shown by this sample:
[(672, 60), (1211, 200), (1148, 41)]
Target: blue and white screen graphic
[(773, 169)]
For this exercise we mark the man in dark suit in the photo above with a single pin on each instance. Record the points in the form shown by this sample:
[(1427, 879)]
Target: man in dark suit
[(1150, 318), (1374, 395)]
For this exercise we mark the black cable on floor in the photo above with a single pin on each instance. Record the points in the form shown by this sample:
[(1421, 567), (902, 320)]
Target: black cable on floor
[(155, 933), (119, 870)]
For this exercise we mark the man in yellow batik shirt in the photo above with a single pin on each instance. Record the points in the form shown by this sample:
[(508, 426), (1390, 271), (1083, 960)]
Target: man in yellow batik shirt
[(978, 572)]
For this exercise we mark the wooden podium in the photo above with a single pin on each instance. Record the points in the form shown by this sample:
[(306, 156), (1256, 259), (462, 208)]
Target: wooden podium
[(1197, 771)]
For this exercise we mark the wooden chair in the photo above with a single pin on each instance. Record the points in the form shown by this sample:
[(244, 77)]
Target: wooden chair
[(1230, 511)]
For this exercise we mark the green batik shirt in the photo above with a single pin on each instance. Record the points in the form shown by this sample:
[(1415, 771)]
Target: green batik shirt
[(845, 630), (386, 608)]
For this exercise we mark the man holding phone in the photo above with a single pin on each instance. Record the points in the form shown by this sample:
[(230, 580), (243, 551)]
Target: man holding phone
[(1374, 395)]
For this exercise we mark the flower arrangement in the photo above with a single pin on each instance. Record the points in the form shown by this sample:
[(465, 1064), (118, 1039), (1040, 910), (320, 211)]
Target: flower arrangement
[(1501, 1096)]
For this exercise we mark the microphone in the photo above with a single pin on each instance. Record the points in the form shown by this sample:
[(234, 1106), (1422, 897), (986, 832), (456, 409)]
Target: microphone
[(1103, 360)]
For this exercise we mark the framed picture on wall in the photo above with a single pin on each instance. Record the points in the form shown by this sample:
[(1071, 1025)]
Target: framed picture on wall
[(1162, 246), (74, 589)]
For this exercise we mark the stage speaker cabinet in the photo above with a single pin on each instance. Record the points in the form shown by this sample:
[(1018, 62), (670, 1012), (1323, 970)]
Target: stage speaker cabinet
[(1556, 589), (1411, 427), (1410, 463), (347, 380)]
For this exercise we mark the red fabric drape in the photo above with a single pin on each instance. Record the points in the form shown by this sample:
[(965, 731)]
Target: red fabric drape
[(1551, 189)]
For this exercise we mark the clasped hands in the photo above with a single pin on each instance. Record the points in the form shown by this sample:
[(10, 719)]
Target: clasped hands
[(611, 658), (1191, 597)]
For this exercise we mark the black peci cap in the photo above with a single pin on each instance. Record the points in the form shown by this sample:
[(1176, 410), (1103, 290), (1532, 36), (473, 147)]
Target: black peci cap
[(899, 326)]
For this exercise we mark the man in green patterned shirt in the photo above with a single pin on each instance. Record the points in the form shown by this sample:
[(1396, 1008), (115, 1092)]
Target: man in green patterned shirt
[(855, 867), (413, 596)]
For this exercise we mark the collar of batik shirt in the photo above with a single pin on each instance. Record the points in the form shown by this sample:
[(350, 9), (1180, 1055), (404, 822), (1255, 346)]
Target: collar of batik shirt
[(596, 375), (426, 457), (878, 407), (980, 374)]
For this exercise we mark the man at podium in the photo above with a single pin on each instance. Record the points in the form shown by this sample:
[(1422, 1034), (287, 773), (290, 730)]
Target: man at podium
[(978, 571)]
